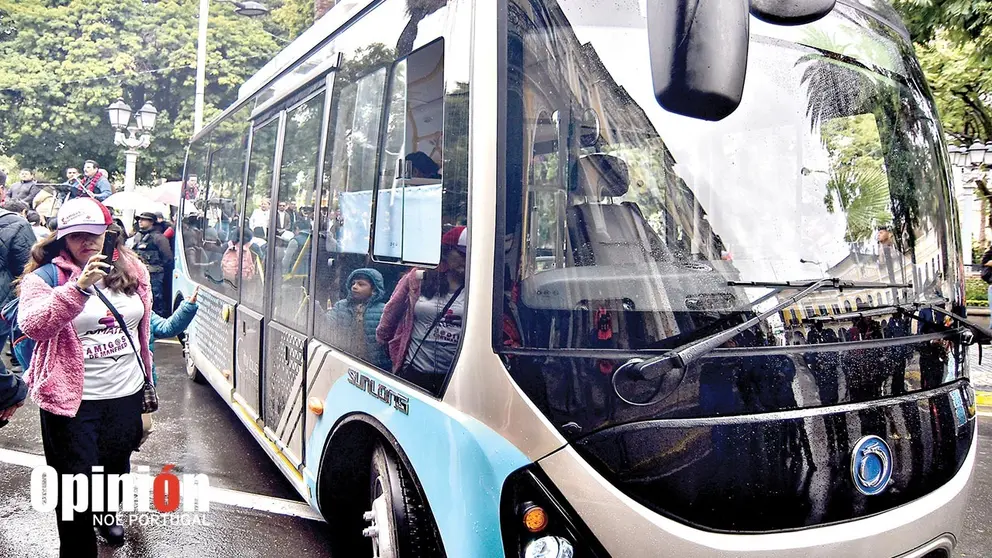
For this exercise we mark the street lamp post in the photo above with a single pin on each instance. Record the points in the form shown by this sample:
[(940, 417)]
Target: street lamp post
[(247, 9), (971, 164), (139, 135)]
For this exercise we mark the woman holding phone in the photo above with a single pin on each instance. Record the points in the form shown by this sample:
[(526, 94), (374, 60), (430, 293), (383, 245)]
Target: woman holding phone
[(87, 373)]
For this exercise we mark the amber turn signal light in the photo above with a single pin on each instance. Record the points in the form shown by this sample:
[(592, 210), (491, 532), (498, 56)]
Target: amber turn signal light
[(535, 518), (315, 405)]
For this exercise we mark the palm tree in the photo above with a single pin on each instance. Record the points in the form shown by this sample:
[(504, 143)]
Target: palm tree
[(863, 194), (417, 10)]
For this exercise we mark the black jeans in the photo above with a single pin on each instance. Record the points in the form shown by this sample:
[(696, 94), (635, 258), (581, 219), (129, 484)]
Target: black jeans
[(103, 432)]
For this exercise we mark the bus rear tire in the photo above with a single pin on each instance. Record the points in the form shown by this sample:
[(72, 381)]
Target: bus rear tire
[(192, 372), (397, 522)]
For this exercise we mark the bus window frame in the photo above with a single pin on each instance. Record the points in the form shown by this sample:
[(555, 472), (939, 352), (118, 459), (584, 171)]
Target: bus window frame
[(276, 157), (330, 81), (380, 150), (298, 99)]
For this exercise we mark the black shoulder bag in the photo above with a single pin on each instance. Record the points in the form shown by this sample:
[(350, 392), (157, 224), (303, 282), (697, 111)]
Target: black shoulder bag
[(437, 320), (150, 403)]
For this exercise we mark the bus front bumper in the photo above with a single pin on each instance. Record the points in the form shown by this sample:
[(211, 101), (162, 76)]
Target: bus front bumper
[(627, 528)]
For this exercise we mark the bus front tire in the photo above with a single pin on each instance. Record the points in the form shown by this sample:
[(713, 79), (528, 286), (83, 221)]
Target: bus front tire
[(396, 520), (192, 372)]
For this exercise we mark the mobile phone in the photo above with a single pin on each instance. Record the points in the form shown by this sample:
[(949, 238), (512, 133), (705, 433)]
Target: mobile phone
[(109, 245)]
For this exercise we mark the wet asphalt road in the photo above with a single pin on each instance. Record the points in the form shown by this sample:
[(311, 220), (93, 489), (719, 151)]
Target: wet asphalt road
[(977, 538), (198, 433)]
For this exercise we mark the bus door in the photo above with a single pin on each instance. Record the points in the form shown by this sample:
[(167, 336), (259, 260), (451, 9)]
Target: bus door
[(262, 161), (205, 244), (288, 324)]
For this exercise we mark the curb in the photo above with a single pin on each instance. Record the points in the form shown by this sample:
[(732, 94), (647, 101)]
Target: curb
[(984, 399)]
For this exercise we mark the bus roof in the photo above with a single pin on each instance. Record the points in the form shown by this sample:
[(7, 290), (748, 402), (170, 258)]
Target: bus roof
[(296, 51), (346, 10)]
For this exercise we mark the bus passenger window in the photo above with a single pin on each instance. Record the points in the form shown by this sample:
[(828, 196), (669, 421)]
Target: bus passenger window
[(346, 321), (223, 213), (293, 219), (408, 218), (198, 258), (260, 169)]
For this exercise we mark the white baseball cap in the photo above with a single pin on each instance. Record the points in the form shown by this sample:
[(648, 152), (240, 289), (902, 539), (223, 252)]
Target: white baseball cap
[(82, 215)]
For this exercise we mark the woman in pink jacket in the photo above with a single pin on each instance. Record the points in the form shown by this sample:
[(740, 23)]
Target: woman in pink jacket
[(422, 342), (84, 374)]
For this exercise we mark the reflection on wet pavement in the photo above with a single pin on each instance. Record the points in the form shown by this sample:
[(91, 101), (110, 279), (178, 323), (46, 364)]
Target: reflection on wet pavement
[(198, 433)]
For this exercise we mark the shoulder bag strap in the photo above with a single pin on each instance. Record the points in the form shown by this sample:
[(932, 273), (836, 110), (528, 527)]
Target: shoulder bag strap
[(437, 320), (122, 324)]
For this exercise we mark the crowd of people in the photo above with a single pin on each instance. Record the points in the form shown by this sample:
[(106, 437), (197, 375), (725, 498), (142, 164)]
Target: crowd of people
[(408, 323), (89, 300), (81, 311)]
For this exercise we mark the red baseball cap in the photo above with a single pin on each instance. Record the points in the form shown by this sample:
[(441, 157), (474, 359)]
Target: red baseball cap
[(82, 215), (457, 237)]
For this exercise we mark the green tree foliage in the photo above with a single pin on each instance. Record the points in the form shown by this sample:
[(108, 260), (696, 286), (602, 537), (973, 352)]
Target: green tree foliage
[(63, 62), (954, 43)]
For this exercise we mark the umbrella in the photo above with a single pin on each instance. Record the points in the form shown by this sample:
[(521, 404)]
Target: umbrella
[(129, 201), (169, 193)]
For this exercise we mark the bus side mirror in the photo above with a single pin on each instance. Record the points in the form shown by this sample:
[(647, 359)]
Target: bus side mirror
[(791, 12), (698, 55)]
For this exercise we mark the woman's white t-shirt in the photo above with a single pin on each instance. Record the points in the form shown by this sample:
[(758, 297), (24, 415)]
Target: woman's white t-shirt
[(438, 352), (111, 368)]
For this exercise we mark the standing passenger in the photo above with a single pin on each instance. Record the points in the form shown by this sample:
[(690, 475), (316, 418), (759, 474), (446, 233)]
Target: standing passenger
[(355, 318), (85, 374), (422, 322), (237, 256)]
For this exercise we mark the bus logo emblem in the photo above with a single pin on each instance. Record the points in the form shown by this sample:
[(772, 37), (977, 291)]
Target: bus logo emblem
[(871, 465)]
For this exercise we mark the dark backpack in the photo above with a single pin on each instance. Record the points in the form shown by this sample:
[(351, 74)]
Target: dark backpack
[(987, 274), (21, 344)]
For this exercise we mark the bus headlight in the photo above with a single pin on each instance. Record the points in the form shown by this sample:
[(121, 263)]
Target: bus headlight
[(537, 522), (549, 547)]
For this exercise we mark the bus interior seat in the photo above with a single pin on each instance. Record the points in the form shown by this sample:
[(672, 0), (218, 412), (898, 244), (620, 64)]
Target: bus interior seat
[(602, 231)]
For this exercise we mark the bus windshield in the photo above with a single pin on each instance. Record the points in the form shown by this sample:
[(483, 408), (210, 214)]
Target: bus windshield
[(828, 168), (629, 229)]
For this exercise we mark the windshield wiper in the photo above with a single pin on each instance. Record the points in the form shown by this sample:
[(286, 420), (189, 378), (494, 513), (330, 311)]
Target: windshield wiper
[(680, 357), (984, 334)]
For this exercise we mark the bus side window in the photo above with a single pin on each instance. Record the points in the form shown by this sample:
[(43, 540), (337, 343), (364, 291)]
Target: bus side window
[(213, 193), (260, 170), (408, 213), (293, 220), (345, 215), (421, 218), (198, 258), (224, 214)]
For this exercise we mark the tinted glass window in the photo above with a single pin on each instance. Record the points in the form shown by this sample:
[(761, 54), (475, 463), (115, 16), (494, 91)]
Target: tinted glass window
[(199, 254), (409, 212), (251, 254), (346, 206), (215, 173), (421, 143), (294, 212)]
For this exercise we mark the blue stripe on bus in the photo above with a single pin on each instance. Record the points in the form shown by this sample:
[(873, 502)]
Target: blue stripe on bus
[(460, 462)]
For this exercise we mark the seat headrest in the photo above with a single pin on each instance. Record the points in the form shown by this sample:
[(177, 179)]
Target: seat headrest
[(600, 175)]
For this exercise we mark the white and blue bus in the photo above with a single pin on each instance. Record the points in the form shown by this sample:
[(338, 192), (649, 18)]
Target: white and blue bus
[(555, 278)]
